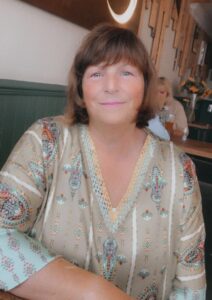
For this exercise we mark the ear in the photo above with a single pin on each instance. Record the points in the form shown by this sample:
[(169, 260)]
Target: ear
[(80, 102)]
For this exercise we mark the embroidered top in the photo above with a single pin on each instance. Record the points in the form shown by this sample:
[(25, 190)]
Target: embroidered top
[(53, 201)]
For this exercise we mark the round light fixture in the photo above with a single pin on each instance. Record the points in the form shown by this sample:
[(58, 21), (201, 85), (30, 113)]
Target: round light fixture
[(126, 15)]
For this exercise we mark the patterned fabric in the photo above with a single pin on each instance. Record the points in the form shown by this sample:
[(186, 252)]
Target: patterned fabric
[(20, 257), (151, 245)]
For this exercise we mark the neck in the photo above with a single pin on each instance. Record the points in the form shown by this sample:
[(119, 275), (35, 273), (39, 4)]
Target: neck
[(117, 139)]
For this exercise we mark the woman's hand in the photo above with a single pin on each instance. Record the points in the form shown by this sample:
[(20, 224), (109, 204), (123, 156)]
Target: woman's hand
[(62, 280)]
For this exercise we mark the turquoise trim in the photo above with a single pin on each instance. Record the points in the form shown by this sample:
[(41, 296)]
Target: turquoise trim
[(20, 257), (97, 184), (188, 294)]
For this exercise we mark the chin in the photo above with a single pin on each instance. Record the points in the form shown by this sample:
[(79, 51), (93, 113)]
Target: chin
[(120, 122)]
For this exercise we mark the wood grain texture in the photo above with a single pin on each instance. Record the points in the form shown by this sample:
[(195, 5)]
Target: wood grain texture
[(8, 296), (194, 147)]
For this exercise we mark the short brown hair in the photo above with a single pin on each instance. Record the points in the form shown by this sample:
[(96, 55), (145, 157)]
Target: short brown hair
[(110, 44)]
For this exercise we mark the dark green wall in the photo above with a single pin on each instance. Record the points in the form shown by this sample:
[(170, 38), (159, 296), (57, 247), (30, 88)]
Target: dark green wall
[(22, 103)]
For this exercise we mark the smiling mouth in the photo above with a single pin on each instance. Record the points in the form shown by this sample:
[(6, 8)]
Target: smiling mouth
[(112, 103)]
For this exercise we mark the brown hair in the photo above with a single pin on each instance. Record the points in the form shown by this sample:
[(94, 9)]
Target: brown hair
[(110, 44)]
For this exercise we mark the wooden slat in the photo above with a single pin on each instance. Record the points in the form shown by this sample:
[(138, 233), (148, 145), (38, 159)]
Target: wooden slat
[(141, 21), (154, 14), (179, 23), (156, 40), (187, 43), (147, 3), (174, 16), (166, 7), (168, 10), (183, 32), (194, 66)]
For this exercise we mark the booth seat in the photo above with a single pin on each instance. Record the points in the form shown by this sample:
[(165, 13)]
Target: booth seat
[(22, 103)]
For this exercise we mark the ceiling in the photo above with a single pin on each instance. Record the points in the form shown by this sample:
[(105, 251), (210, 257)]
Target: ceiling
[(202, 13)]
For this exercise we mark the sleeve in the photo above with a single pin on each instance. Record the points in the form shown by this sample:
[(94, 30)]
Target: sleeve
[(23, 184), (158, 129), (189, 282), (181, 119)]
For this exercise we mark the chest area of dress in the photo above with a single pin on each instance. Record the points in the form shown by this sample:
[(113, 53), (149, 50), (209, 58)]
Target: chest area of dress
[(80, 218)]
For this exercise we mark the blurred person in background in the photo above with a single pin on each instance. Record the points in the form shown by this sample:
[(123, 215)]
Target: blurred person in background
[(171, 110)]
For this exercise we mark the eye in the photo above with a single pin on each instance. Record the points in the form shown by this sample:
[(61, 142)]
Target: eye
[(127, 73), (96, 75)]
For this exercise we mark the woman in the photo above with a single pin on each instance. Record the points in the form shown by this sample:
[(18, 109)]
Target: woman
[(118, 209), (168, 105)]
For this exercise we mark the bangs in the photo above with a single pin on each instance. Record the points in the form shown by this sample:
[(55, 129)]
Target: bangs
[(115, 52), (114, 55), (112, 47)]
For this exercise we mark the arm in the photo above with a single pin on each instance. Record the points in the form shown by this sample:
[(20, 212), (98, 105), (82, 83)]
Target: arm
[(22, 190), (189, 281), (62, 280), (180, 118), (28, 270)]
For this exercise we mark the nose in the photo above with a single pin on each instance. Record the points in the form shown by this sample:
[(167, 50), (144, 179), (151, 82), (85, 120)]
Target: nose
[(111, 83)]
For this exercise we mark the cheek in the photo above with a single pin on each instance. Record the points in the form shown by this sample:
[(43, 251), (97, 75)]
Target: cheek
[(87, 92), (139, 95)]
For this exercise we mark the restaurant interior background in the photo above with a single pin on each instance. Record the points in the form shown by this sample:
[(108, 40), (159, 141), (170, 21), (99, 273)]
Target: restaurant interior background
[(39, 46), (39, 39)]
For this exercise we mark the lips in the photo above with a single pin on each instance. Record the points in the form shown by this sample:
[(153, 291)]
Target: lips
[(112, 103)]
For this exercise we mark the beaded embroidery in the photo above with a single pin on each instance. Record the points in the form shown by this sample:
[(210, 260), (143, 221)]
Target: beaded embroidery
[(83, 203), (98, 186), (157, 184), (38, 174), (14, 208), (147, 215), (193, 257), (61, 199), (150, 293), (144, 273), (188, 173), (110, 258), (8, 265), (49, 137), (75, 170)]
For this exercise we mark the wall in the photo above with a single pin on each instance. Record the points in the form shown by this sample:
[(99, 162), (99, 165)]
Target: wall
[(168, 52), (167, 58), (35, 45)]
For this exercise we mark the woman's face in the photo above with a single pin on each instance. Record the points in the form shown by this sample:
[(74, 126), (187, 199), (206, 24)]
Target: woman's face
[(112, 93), (162, 95)]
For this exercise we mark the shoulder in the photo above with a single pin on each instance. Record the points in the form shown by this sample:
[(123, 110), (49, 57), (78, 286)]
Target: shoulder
[(177, 104), (167, 149), (52, 128), (53, 134), (54, 123)]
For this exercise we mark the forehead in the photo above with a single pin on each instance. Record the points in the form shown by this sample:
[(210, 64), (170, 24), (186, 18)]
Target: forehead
[(161, 87), (121, 63)]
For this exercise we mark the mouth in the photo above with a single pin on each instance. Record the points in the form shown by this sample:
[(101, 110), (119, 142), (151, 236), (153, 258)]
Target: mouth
[(112, 103)]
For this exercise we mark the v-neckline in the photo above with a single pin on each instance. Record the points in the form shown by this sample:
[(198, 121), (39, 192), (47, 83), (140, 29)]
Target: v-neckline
[(113, 217)]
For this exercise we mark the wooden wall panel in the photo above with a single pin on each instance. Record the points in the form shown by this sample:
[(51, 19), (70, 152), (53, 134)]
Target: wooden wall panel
[(159, 20), (183, 24), (179, 24), (187, 45)]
